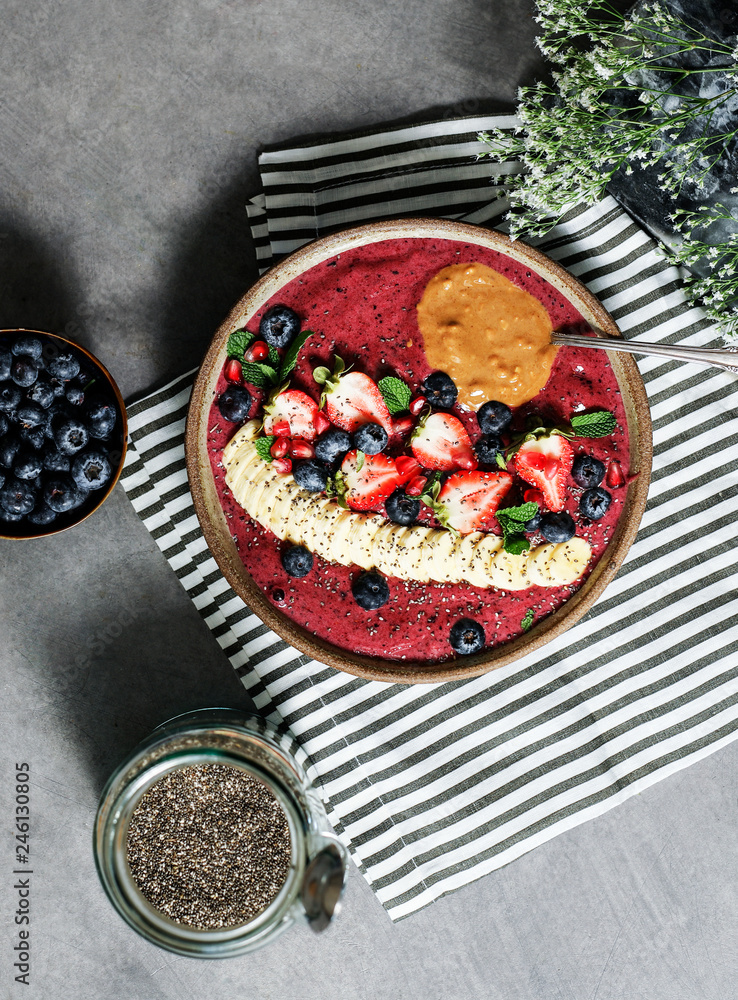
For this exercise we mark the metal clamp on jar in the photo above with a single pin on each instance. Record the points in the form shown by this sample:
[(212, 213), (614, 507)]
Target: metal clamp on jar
[(220, 781)]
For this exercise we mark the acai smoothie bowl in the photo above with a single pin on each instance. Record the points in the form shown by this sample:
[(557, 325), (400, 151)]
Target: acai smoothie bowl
[(394, 467)]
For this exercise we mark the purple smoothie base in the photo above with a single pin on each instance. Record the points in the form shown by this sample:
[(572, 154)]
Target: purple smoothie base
[(361, 305)]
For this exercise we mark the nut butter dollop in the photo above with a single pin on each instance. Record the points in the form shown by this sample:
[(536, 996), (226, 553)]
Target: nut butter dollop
[(491, 337)]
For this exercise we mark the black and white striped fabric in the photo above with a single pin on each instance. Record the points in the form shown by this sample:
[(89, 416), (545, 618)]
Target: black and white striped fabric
[(434, 786)]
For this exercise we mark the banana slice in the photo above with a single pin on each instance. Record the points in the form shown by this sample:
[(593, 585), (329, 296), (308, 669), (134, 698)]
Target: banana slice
[(409, 553), (509, 572), (483, 552), (560, 564)]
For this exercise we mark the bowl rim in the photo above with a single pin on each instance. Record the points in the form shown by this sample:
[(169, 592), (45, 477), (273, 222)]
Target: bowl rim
[(105, 493), (215, 529)]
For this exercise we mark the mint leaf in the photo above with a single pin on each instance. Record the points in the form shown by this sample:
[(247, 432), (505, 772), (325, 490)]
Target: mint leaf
[(273, 359), (515, 543), (593, 425), (513, 519), (527, 619), (396, 393), (259, 375), (238, 343), (290, 359), (263, 446)]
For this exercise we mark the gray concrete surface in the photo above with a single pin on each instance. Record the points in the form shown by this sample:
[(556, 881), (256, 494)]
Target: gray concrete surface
[(128, 135)]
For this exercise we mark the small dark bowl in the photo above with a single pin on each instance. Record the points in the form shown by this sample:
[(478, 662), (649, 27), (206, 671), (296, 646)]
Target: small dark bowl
[(115, 445)]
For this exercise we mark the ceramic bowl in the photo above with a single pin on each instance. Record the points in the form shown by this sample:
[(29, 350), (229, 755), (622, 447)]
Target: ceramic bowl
[(214, 523), (115, 445)]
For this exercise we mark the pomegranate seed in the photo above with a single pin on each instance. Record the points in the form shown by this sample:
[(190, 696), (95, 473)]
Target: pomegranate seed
[(466, 462), (401, 426), (279, 447), (615, 477), (321, 422), (283, 465), (277, 595), (536, 460), (408, 466), (301, 449), (233, 371), (416, 486), (551, 469), (281, 428), (417, 404), (259, 351), (533, 496)]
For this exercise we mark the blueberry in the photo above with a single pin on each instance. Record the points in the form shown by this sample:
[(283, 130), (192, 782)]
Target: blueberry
[(534, 523), (594, 503), (23, 371), (370, 438), (297, 560), (370, 590), (58, 387), (487, 448), (10, 397), (64, 366), (91, 469), (6, 360), (74, 394), (9, 445), (61, 493), (332, 445), (587, 471), (279, 325), (33, 436), (401, 508), (70, 434), (17, 496), (4, 424), (101, 417), (53, 460), (6, 516), (235, 403), (41, 392), (28, 464), (42, 514), (28, 344), (466, 637), (493, 417), (311, 474), (30, 414), (440, 391), (557, 527)]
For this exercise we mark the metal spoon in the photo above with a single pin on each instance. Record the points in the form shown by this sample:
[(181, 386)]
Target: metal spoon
[(726, 357)]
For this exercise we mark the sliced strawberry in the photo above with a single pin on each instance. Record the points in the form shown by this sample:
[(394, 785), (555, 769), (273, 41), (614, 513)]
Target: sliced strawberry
[(467, 500), (545, 462), (295, 408), (352, 399), (441, 442), (368, 482)]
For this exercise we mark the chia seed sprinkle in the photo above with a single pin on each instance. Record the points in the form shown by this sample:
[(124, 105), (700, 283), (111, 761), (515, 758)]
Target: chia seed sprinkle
[(209, 846)]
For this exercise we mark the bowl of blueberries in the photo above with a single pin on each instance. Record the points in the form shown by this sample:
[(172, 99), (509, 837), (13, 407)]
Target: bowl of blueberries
[(63, 433)]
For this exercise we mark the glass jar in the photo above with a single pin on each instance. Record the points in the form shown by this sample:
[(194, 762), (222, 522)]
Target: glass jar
[(317, 867)]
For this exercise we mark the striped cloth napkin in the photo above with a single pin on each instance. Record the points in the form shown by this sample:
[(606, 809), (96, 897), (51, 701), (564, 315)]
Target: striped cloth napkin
[(434, 786)]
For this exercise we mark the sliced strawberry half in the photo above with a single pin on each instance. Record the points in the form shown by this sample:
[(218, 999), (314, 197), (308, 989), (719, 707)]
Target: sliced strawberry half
[(294, 407), (352, 399), (441, 442), (368, 479), (545, 462), (467, 500)]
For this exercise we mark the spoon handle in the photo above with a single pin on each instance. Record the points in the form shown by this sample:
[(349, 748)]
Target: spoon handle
[(726, 358)]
